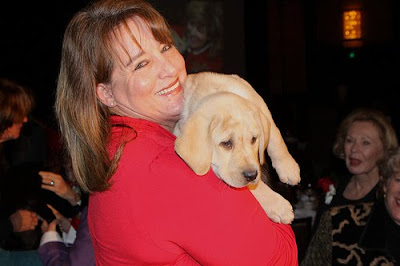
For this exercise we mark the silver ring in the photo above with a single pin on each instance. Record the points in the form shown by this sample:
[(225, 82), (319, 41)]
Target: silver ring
[(52, 183)]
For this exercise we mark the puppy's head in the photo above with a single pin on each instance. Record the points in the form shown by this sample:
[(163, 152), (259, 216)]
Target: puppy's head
[(227, 133)]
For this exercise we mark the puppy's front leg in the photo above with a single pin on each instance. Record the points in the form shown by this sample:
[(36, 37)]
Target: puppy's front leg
[(287, 168), (277, 207)]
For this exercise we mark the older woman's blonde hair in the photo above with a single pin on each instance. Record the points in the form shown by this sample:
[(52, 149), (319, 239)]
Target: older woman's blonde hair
[(87, 59), (387, 133)]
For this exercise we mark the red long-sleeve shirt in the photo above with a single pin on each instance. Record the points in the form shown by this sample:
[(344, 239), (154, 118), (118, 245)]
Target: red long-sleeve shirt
[(158, 212)]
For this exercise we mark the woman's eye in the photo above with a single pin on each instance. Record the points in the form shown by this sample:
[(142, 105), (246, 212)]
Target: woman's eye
[(141, 64), (253, 140), (166, 48), (365, 143)]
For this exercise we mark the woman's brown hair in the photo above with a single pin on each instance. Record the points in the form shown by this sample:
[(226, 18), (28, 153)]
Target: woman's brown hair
[(16, 102), (87, 59)]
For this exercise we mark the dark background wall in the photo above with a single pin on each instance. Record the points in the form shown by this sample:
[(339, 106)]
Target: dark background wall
[(291, 51), (30, 45)]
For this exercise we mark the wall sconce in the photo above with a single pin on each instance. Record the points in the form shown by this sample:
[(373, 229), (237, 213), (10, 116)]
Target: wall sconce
[(352, 25), (352, 28)]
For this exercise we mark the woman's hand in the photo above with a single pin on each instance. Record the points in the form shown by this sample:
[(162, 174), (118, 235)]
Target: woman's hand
[(24, 220), (47, 227), (56, 183), (61, 220)]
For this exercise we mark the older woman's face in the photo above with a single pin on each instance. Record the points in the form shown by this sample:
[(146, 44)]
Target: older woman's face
[(362, 148), (147, 80), (392, 198)]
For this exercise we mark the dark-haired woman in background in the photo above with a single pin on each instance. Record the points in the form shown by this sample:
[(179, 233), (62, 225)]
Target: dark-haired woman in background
[(16, 102)]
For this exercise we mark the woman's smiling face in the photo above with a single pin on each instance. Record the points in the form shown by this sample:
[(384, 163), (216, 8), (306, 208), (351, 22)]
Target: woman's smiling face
[(147, 77), (392, 197)]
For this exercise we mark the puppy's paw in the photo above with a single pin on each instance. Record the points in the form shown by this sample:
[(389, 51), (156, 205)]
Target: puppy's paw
[(288, 171), (280, 210), (275, 206)]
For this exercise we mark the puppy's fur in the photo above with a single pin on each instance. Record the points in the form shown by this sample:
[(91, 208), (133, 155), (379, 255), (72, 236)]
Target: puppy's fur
[(226, 125)]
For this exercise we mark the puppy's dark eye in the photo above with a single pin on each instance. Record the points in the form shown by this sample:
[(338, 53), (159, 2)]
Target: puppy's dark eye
[(227, 144), (253, 140)]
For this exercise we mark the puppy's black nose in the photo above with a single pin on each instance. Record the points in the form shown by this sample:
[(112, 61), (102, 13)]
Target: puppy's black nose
[(250, 175)]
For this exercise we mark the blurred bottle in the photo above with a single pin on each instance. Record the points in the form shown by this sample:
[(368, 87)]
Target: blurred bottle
[(309, 197)]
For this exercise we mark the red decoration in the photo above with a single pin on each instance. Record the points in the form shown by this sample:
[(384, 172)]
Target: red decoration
[(324, 183)]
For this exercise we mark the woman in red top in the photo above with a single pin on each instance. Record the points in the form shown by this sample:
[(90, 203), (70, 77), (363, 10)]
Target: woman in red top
[(119, 97)]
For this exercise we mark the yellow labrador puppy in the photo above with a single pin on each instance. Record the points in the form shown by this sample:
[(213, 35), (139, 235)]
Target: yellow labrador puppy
[(226, 125)]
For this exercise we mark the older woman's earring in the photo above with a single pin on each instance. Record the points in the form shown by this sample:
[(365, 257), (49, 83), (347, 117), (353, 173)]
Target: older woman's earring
[(112, 104)]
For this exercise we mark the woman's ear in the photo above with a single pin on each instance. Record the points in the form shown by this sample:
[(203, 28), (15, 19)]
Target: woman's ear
[(385, 188), (384, 185), (105, 95)]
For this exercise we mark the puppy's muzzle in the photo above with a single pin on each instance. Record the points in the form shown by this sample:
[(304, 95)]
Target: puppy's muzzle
[(250, 175)]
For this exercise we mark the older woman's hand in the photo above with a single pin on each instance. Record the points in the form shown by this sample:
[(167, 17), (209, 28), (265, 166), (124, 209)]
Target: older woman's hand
[(56, 183)]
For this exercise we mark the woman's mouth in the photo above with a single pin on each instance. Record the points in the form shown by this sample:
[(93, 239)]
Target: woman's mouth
[(355, 162), (169, 90)]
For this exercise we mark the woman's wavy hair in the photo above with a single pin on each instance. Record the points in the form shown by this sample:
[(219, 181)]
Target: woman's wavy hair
[(387, 133), (388, 169), (87, 59), (16, 102)]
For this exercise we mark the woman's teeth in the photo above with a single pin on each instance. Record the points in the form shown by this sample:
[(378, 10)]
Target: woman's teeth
[(169, 89)]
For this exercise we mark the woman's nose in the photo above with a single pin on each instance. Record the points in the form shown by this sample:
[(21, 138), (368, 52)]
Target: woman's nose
[(167, 69), (354, 147), (170, 63), (25, 119)]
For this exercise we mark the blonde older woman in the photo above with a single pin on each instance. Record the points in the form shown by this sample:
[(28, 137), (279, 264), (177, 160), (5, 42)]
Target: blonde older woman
[(364, 137), (358, 229)]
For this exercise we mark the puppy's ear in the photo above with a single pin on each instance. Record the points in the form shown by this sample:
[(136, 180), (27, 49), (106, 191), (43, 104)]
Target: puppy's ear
[(194, 143), (265, 126)]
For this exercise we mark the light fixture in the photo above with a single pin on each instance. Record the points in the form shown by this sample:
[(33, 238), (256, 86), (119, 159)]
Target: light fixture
[(352, 25)]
